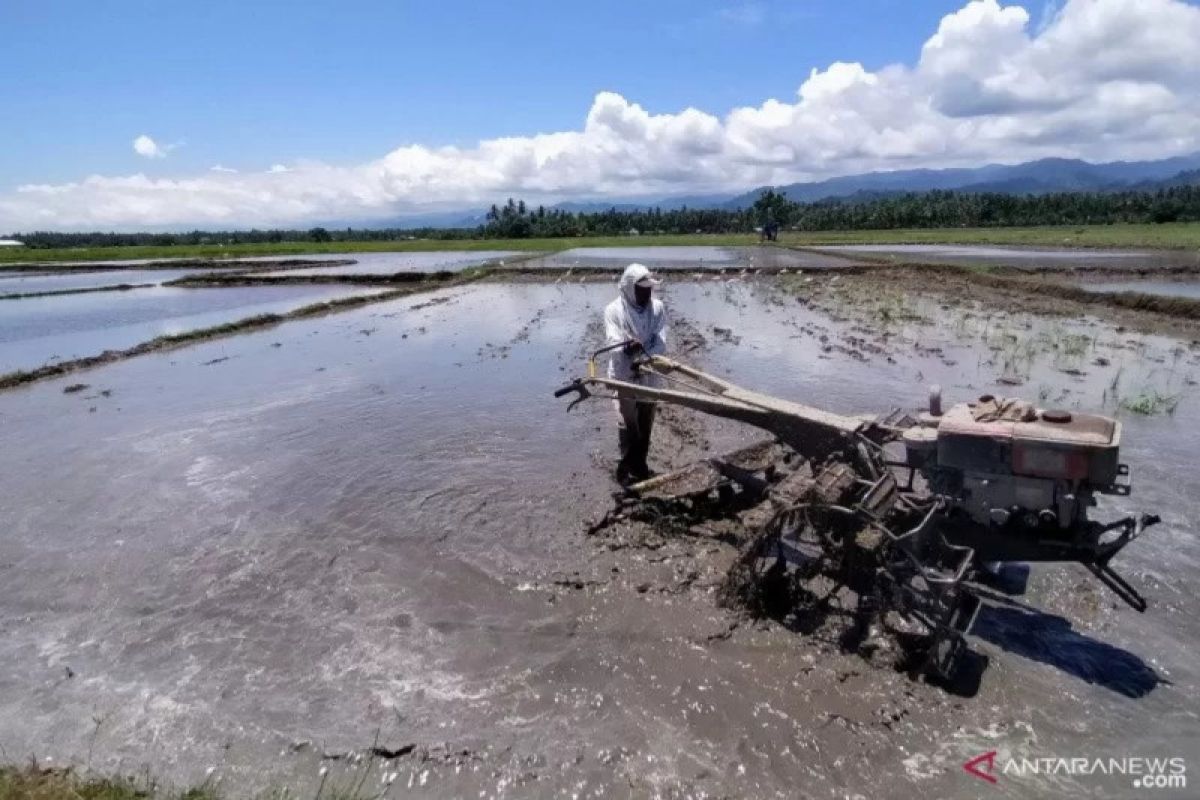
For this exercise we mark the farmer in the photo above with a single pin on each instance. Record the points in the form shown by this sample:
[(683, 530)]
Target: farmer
[(641, 320)]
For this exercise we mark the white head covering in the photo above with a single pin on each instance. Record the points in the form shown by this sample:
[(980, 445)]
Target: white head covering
[(635, 275)]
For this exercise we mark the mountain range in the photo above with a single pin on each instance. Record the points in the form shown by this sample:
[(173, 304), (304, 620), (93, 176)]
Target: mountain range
[(1032, 177)]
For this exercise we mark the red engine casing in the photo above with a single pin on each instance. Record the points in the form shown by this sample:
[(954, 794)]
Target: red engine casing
[(1058, 445)]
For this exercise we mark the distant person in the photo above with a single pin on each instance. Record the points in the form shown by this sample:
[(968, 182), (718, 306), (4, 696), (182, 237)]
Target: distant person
[(641, 320)]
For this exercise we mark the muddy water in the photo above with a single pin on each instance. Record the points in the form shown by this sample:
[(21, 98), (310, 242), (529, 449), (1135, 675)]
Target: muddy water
[(392, 263), (721, 255), (40, 330), (367, 527), (24, 283), (690, 258), (1163, 288)]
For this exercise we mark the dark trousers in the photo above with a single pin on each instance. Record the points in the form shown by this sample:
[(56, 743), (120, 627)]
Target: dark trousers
[(635, 422)]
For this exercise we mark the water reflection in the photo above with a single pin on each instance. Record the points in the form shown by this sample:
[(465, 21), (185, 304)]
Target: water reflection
[(1163, 288), (38, 330)]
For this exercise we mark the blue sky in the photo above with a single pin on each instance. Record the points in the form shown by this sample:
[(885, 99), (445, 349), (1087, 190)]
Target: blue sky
[(249, 84), (126, 114)]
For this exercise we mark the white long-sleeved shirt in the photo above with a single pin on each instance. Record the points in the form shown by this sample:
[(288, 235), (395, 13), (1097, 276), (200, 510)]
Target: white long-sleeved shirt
[(624, 319)]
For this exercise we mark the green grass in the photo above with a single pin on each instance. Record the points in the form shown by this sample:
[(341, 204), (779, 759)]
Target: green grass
[(14, 255), (1182, 235), (33, 782), (1150, 403), (1174, 236)]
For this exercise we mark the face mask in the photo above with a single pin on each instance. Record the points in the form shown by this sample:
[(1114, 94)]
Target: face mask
[(641, 295)]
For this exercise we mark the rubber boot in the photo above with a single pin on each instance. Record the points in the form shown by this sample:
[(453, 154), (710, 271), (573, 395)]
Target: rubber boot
[(627, 440), (639, 467)]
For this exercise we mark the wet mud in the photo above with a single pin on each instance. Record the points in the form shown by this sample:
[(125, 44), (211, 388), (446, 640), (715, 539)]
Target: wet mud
[(1055, 293), (371, 543), (1018, 258), (303, 278), (119, 287), (385, 264)]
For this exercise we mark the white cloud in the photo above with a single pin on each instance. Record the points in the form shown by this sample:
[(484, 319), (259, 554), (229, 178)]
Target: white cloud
[(222, 168), (1104, 79), (147, 147)]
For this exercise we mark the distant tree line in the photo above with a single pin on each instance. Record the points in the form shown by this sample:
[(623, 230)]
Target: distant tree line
[(45, 239), (935, 209), (515, 220), (947, 209)]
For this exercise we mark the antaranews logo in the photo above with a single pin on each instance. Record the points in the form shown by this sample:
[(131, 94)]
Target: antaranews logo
[(983, 766), (1144, 772)]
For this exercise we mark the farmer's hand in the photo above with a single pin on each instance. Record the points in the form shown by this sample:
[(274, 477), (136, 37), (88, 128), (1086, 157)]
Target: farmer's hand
[(634, 348)]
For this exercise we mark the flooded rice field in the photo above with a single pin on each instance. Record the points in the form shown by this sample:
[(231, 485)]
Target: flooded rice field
[(35, 282), (268, 554), (689, 258), (369, 263), (393, 263), (720, 255), (983, 251), (1030, 257), (39, 330), (195, 263)]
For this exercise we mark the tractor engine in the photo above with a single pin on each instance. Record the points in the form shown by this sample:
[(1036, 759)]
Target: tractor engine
[(1007, 465)]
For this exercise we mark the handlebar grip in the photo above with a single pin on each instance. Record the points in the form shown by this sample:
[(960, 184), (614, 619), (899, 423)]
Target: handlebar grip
[(566, 389)]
